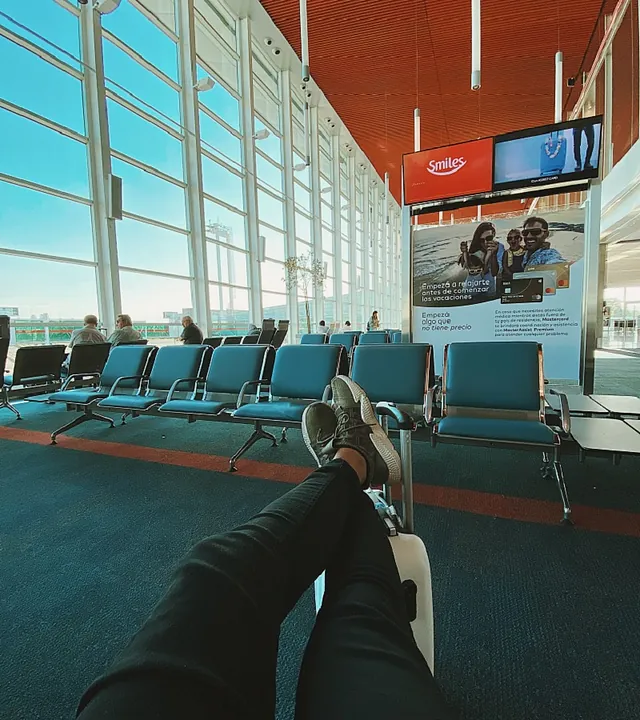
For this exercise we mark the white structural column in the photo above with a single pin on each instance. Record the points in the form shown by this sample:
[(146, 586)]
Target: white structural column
[(405, 274), (337, 239), (353, 269), (249, 156), (104, 228), (316, 222), (185, 23), (375, 235), (592, 296), (289, 213), (366, 239)]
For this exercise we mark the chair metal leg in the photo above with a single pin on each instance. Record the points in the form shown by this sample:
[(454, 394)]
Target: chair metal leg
[(4, 403), (257, 434), (566, 507), (546, 469), (283, 437), (79, 420), (406, 459), (123, 419)]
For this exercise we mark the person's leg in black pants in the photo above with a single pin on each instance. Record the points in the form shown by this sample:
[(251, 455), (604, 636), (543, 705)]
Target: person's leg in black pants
[(577, 147), (209, 649), (362, 660), (590, 135)]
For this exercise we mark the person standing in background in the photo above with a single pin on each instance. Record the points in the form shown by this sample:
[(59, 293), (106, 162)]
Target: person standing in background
[(191, 335), (89, 334), (125, 332), (374, 321)]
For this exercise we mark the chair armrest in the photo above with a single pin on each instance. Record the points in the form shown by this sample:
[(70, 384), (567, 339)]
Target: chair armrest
[(94, 375), (565, 416), (429, 404), (326, 394), (245, 388), (174, 387), (121, 379), (403, 419)]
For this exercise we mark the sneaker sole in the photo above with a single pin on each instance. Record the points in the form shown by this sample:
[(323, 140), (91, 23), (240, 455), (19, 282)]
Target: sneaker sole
[(379, 438)]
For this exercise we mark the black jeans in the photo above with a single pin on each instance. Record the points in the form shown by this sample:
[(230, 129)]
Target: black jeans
[(209, 648)]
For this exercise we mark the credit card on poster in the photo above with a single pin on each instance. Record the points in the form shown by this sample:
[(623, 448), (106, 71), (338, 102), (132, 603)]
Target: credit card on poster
[(522, 290), (563, 274), (548, 279)]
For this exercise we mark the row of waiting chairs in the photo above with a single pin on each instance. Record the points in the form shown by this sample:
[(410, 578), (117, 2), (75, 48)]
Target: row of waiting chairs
[(352, 338), (254, 384)]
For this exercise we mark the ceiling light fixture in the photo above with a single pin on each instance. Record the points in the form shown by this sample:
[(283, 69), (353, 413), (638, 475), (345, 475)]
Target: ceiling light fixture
[(104, 7), (304, 41), (204, 84), (262, 134), (475, 45), (558, 94)]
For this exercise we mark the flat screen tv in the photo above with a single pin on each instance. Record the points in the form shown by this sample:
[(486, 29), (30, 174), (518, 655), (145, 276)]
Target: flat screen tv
[(548, 155)]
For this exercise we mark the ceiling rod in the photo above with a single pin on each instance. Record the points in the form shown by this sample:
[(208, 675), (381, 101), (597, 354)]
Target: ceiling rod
[(416, 130), (558, 93), (475, 45), (304, 41)]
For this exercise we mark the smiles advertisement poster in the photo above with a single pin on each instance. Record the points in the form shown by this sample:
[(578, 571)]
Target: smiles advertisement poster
[(517, 278)]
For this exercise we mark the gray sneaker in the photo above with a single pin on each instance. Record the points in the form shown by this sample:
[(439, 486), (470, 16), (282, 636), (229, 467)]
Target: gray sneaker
[(319, 425), (358, 429)]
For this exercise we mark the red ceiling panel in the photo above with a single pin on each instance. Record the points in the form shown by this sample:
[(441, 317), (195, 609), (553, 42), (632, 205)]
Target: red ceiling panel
[(375, 60)]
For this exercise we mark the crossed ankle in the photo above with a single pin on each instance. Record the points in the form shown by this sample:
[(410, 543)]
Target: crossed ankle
[(355, 460)]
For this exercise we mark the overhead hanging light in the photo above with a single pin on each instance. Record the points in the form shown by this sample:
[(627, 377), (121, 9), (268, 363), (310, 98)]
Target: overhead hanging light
[(475, 45), (104, 7), (416, 130), (558, 93), (304, 41)]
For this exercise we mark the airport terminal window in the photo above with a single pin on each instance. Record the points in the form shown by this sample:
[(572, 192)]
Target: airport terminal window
[(229, 309), (149, 196), (303, 175), (218, 54), (144, 141), (143, 36), (271, 145), (219, 141), (220, 101), (163, 11), (274, 243), (303, 227), (215, 16), (149, 298), (50, 21), (222, 183), (148, 247), (32, 221), (224, 225), (327, 240), (27, 283), (42, 156), (275, 306), (272, 276), (302, 196), (270, 209), (152, 94), (57, 96), (268, 174)]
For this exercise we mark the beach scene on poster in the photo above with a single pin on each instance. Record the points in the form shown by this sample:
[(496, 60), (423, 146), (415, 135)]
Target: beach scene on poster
[(517, 278)]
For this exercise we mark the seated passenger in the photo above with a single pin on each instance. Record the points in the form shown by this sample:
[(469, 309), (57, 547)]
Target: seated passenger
[(253, 329), (89, 334), (322, 327), (347, 325), (191, 335), (125, 332)]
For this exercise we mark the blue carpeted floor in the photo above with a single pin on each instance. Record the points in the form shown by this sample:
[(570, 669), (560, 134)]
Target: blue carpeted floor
[(532, 621)]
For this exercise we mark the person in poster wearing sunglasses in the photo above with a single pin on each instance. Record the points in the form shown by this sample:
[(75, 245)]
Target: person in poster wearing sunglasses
[(535, 233)]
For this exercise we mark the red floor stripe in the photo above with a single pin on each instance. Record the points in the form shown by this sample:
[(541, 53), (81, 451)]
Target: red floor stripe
[(617, 522)]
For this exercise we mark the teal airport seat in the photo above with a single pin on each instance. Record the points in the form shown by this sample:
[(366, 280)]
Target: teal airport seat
[(4, 400), (301, 375), (125, 361), (379, 337), (396, 336), (234, 371), (480, 408), (397, 380), (348, 340), (174, 366), (313, 339)]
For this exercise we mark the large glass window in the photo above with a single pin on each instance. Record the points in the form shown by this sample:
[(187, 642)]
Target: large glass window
[(42, 156), (147, 247), (37, 222), (224, 225), (222, 183), (149, 298)]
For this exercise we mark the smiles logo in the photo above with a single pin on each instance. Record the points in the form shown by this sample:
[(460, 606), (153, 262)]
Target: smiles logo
[(448, 166)]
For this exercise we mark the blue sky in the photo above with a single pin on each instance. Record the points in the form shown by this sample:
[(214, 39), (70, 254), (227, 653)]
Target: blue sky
[(41, 223)]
